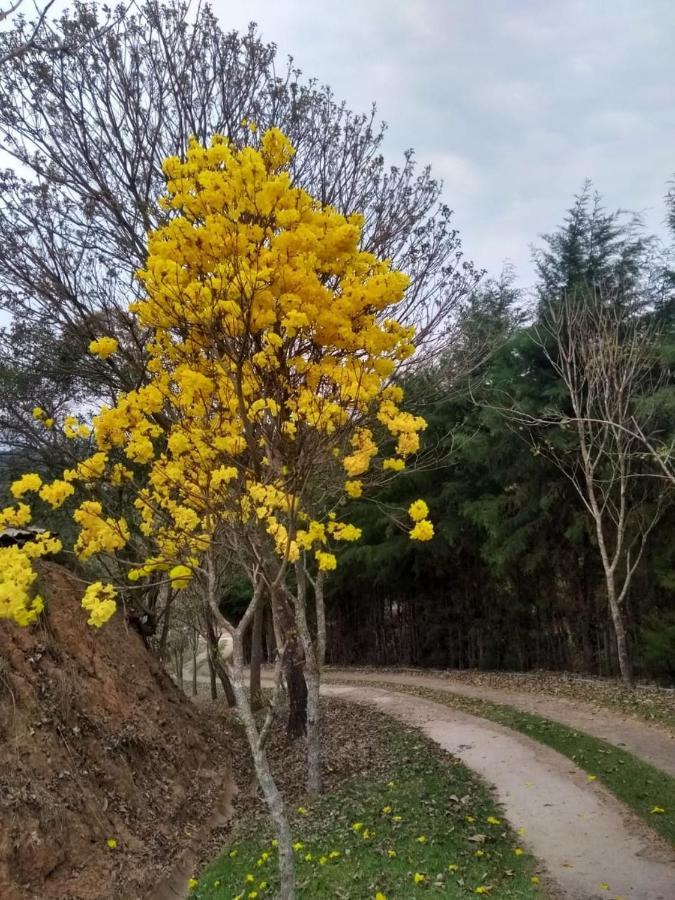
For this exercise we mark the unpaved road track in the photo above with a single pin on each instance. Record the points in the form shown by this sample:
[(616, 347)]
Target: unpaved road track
[(583, 836), (652, 743)]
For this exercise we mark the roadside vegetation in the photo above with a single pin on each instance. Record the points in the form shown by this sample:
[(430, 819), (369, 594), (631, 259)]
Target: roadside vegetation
[(423, 825)]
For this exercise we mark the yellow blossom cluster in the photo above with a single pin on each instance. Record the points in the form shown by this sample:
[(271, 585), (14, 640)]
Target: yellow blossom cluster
[(103, 347), (17, 601), (98, 533), (99, 601), (270, 355), (423, 529)]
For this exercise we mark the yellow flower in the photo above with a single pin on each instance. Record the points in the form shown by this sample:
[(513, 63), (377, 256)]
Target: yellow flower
[(518, 851), (233, 853), (491, 820), (192, 883), (38, 412), (391, 854), (354, 488), (421, 839), (453, 867), (418, 510), (180, 577), (386, 810), (397, 818), (591, 777), (326, 561), (298, 845), (423, 531), (482, 889), (357, 826), (56, 493), (394, 464), (380, 896), (657, 810), (302, 811), (30, 482), (99, 601), (112, 843), (103, 347), (419, 878), (535, 879)]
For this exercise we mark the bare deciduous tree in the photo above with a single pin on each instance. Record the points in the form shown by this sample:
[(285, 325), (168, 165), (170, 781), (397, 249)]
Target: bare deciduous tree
[(604, 358)]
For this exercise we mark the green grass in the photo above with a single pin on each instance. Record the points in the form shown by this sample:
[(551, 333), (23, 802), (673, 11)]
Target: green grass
[(436, 798), (639, 785)]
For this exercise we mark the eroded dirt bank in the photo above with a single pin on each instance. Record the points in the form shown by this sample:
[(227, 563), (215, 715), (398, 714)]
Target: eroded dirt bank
[(96, 743)]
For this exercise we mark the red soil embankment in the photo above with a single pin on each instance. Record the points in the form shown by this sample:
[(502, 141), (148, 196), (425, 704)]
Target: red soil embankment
[(96, 743)]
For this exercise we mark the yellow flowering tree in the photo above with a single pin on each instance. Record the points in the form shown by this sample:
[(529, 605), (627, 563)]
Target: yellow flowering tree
[(269, 402)]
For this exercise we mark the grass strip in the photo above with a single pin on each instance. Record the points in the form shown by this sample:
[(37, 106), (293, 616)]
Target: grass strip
[(648, 791), (426, 827)]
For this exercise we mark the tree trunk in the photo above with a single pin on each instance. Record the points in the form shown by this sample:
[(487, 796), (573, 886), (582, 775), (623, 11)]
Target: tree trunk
[(314, 654), (270, 641), (194, 671), (296, 686), (212, 679), (313, 730), (214, 658), (167, 595), (178, 665), (622, 651), (297, 691), (273, 798), (256, 656)]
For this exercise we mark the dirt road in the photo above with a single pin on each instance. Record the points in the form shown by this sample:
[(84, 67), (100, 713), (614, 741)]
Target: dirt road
[(650, 742), (590, 844)]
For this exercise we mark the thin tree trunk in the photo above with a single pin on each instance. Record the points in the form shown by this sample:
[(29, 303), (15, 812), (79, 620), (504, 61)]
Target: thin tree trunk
[(212, 679), (273, 798), (284, 623), (256, 656), (178, 664), (214, 658), (313, 655), (270, 641), (625, 666), (168, 596), (194, 671)]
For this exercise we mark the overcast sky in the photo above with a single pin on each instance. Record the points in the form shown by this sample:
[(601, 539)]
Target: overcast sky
[(513, 102)]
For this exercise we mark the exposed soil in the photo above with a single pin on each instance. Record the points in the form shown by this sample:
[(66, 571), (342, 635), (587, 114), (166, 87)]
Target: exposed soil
[(587, 840), (96, 743), (649, 741)]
